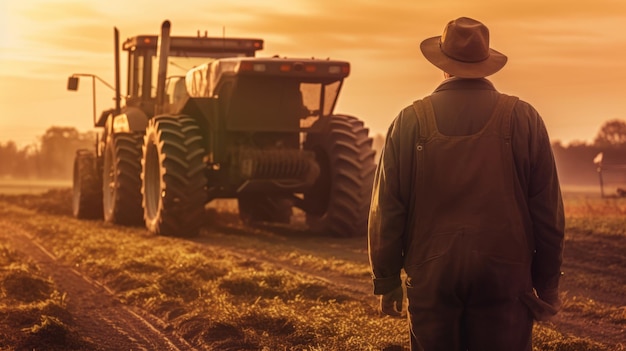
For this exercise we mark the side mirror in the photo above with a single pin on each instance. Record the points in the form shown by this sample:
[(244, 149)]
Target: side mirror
[(72, 83)]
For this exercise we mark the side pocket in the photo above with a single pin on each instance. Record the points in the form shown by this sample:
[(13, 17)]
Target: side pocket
[(433, 266), (541, 310), (434, 247)]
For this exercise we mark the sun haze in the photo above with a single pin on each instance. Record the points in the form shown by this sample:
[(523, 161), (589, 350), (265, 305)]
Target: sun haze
[(565, 57)]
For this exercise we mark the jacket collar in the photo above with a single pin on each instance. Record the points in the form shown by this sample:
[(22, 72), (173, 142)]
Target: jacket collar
[(456, 83)]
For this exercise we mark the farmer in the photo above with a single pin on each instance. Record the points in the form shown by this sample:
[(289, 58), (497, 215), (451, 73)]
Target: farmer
[(466, 200)]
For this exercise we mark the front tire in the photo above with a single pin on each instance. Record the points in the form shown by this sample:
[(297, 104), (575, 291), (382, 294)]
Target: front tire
[(86, 189), (173, 177), (338, 203), (121, 185)]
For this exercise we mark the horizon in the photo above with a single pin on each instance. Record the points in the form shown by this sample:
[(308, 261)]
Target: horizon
[(35, 139)]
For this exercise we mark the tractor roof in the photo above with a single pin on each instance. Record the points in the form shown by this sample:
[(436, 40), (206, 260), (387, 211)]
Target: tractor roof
[(300, 67), (245, 46)]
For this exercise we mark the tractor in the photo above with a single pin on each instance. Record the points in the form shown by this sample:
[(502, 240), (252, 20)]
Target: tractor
[(204, 118)]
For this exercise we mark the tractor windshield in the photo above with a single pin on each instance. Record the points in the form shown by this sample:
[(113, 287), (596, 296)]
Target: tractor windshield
[(179, 63), (179, 66), (266, 103)]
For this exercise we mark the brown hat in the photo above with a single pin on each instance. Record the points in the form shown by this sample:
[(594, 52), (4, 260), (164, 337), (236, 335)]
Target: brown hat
[(463, 50)]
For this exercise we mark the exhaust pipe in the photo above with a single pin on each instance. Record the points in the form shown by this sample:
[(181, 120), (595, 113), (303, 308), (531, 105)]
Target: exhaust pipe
[(163, 52), (118, 93)]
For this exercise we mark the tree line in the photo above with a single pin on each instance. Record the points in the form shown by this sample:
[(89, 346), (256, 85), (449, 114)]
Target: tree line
[(577, 163), (52, 157)]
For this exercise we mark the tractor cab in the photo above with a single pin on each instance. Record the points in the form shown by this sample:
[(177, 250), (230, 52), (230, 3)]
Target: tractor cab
[(185, 53)]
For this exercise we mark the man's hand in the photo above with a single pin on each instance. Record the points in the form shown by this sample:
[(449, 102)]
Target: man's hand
[(544, 306), (551, 296), (391, 303)]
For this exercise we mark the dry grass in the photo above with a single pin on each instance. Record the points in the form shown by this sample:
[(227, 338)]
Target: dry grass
[(590, 206), (201, 290), (212, 296), (34, 314), (547, 339)]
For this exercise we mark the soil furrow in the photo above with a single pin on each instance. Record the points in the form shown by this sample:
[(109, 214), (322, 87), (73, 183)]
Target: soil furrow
[(98, 316)]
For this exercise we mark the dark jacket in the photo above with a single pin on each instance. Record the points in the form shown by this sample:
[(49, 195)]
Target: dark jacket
[(463, 107)]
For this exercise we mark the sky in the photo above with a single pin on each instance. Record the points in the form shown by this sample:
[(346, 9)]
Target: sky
[(566, 57)]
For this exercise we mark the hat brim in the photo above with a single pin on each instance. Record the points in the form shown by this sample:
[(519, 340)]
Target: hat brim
[(431, 50)]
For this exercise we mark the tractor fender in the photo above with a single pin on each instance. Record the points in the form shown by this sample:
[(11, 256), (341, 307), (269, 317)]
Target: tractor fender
[(132, 119)]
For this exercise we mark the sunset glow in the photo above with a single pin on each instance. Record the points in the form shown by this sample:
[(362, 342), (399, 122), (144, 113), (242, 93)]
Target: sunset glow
[(565, 57)]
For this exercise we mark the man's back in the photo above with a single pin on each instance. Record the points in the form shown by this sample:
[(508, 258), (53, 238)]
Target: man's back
[(463, 106), (466, 200)]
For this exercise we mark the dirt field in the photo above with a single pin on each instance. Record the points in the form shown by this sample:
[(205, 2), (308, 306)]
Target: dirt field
[(86, 285)]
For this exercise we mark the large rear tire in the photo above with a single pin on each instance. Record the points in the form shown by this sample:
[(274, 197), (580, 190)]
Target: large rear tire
[(121, 182), (338, 203), (173, 177), (86, 189), (254, 208)]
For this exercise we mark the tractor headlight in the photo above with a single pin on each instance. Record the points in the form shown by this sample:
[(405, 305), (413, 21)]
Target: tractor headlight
[(120, 124)]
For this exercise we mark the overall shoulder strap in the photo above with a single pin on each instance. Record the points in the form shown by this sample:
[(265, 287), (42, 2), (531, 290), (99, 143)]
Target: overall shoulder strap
[(504, 113), (425, 117)]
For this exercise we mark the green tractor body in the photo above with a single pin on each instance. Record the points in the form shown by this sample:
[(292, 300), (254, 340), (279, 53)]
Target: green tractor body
[(205, 119)]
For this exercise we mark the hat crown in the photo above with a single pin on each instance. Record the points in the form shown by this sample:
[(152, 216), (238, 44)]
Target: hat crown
[(463, 50), (465, 40)]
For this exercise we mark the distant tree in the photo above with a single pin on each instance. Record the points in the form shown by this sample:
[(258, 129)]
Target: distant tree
[(612, 134), (52, 158), (574, 162), (56, 153), (26, 162), (8, 158)]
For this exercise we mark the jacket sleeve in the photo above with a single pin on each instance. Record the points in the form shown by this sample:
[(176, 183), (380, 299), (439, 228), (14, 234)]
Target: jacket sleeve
[(545, 206), (390, 203)]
